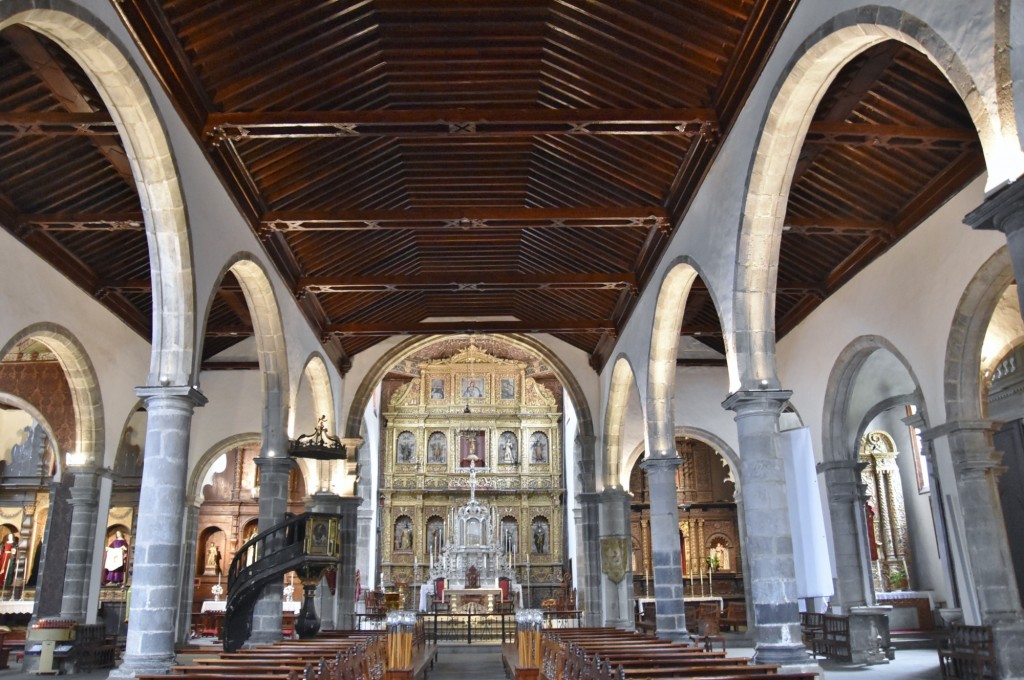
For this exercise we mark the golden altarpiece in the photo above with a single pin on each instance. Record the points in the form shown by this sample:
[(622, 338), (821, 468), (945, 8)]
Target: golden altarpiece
[(480, 416), (709, 542)]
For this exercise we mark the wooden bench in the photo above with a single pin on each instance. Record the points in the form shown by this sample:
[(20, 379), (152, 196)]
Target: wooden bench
[(834, 642), (968, 652)]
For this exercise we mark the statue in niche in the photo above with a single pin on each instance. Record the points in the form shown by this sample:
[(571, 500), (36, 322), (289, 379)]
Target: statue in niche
[(539, 448), (407, 447), (403, 534), (540, 537), (507, 445), (437, 448), (212, 560)]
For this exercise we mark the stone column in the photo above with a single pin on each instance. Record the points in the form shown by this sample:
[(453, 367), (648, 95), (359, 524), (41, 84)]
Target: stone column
[(769, 540), (339, 609), (155, 582), (846, 498), (366, 526), (274, 471), (588, 543), (616, 549), (668, 566), (976, 465), (1003, 211), (85, 495), (188, 570)]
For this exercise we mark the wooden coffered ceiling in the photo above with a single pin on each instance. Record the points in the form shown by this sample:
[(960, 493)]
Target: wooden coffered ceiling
[(455, 166)]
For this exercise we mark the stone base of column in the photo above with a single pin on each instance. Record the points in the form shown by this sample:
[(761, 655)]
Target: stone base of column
[(792, 656), (1008, 639), (624, 624), (262, 637), (140, 664), (869, 635)]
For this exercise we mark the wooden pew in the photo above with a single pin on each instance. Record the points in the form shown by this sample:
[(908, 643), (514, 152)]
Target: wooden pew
[(968, 652)]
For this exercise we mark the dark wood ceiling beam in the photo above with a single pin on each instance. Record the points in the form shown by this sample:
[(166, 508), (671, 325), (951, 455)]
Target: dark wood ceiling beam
[(833, 226), (229, 366), (148, 26), (415, 328), (240, 331), (56, 124), (455, 123), (131, 220), (889, 136), (27, 44), (470, 282), (701, 363), (852, 94), (467, 218), (236, 301)]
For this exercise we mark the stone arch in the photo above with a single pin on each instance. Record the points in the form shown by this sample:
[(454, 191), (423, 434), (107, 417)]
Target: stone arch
[(839, 436), (316, 376), (271, 350), (785, 124), (36, 414), (964, 386), (668, 318), (126, 96), (720, 446), (363, 395), (622, 379), (202, 467), (84, 386)]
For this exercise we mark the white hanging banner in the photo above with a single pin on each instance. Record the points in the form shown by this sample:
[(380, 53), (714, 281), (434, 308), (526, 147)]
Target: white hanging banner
[(806, 519)]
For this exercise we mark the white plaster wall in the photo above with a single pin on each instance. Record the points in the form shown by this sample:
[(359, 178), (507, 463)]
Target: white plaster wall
[(36, 293), (235, 407), (908, 296)]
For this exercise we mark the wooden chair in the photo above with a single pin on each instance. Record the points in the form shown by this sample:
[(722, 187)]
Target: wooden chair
[(438, 602), (505, 604)]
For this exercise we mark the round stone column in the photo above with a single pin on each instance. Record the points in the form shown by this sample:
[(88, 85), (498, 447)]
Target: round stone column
[(85, 494), (977, 466), (769, 539), (668, 567), (846, 498), (188, 570), (588, 545), (274, 472), (152, 619)]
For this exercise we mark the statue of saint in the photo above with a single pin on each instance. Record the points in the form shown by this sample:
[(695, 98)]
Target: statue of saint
[(212, 560), (115, 560)]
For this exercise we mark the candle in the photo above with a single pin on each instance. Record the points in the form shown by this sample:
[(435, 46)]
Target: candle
[(218, 578)]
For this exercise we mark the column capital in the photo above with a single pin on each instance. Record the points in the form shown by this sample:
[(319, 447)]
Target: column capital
[(753, 402), (652, 463), (184, 392), (960, 427), (1002, 210), (851, 465), (275, 463)]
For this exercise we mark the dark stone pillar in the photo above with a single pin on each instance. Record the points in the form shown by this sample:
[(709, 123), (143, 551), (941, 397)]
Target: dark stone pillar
[(668, 567), (769, 540), (152, 620)]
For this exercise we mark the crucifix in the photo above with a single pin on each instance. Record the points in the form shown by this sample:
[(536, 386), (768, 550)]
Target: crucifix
[(472, 458)]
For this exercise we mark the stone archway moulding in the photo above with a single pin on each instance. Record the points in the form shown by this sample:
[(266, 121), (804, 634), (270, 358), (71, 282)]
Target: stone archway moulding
[(964, 399), (623, 378), (271, 350), (714, 441), (838, 439), (99, 53), (202, 467), (84, 386), (783, 130), (17, 402), (661, 377)]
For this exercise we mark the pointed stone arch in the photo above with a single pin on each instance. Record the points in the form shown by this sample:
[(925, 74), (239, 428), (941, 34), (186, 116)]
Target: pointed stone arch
[(129, 101), (623, 378), (783, 129), (271, 347), (82, 381)]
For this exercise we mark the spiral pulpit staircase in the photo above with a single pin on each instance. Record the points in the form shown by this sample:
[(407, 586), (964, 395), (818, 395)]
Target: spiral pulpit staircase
[(308, 544)]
